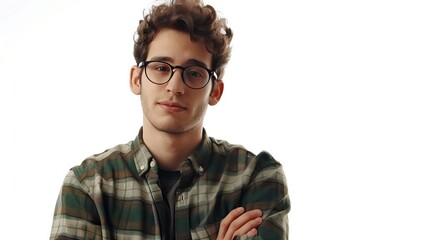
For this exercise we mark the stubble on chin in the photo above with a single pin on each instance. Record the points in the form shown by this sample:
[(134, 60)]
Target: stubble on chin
[(172, 128)]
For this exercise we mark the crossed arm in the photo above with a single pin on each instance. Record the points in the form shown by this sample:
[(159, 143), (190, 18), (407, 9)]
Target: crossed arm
[(267, 205)]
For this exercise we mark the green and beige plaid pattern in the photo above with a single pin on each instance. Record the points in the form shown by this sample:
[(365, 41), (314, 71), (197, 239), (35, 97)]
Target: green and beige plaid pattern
[(115, 194)]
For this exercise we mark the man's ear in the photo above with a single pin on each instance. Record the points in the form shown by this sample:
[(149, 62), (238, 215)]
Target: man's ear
[(135, 74), (216, 93)]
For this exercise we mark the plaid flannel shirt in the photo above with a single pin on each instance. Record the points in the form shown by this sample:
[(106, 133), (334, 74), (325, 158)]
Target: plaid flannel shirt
[(115, 194)]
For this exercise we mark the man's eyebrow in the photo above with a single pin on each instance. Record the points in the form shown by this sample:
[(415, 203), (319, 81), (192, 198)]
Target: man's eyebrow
[(161, 58), (189, 62), (196, 62)]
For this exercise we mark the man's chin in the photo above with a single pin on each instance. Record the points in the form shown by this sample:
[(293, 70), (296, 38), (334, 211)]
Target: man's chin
[(172, 129)]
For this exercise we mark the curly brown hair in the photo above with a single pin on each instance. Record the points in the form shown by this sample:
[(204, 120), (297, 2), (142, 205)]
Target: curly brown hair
[(191, 16)]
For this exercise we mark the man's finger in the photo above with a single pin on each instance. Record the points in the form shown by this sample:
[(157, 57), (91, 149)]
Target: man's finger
[(242, 224), (226, 222)]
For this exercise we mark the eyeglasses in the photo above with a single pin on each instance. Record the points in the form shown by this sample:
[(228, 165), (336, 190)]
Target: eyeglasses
[(159, 72)]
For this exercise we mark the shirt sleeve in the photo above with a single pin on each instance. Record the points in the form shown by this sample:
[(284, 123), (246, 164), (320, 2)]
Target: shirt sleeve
[(268, 191), (75, 215)]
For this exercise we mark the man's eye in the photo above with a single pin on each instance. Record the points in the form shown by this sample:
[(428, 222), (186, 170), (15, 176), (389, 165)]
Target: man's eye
[(194, 74), (162, 68)]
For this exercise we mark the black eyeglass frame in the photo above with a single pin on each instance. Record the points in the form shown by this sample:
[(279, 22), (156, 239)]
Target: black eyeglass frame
[(144, 64)]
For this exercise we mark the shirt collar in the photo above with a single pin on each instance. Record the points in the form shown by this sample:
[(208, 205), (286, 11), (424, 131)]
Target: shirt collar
[(199, 159), (143, 157)]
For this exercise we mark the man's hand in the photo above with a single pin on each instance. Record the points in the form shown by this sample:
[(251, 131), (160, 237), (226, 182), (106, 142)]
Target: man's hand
[(239, 223)]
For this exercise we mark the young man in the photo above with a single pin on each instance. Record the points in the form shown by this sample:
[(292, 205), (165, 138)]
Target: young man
[(173, 181)]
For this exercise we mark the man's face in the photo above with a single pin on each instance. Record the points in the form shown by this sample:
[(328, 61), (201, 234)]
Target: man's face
[(173, 107)]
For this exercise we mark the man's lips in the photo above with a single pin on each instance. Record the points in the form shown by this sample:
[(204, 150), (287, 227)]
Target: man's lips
[(172, 106)]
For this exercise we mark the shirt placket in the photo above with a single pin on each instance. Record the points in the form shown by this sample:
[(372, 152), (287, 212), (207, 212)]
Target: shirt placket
[(182, 202), (182, 216), (159, 205)]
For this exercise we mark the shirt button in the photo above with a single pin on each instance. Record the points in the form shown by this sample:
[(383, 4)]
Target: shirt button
[(142, 167), (180, 198), (152, 164), (200, 169)]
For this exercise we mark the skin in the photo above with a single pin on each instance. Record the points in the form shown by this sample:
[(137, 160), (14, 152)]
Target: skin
[(239, 223), (173, 115)]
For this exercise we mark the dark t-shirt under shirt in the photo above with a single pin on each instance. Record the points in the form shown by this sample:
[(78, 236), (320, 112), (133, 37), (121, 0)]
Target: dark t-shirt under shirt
[(169, 181)]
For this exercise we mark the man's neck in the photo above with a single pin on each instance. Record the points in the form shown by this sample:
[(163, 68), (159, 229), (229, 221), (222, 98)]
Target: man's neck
[(170, 150)]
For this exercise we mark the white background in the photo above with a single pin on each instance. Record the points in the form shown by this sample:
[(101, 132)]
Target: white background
[(336, 90)]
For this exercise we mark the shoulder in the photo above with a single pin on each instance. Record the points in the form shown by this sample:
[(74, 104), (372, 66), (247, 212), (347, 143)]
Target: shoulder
[(239, 155), (105, 163)]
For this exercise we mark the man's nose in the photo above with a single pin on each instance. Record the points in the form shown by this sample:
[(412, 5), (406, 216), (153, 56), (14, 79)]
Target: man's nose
[(176, 84)]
